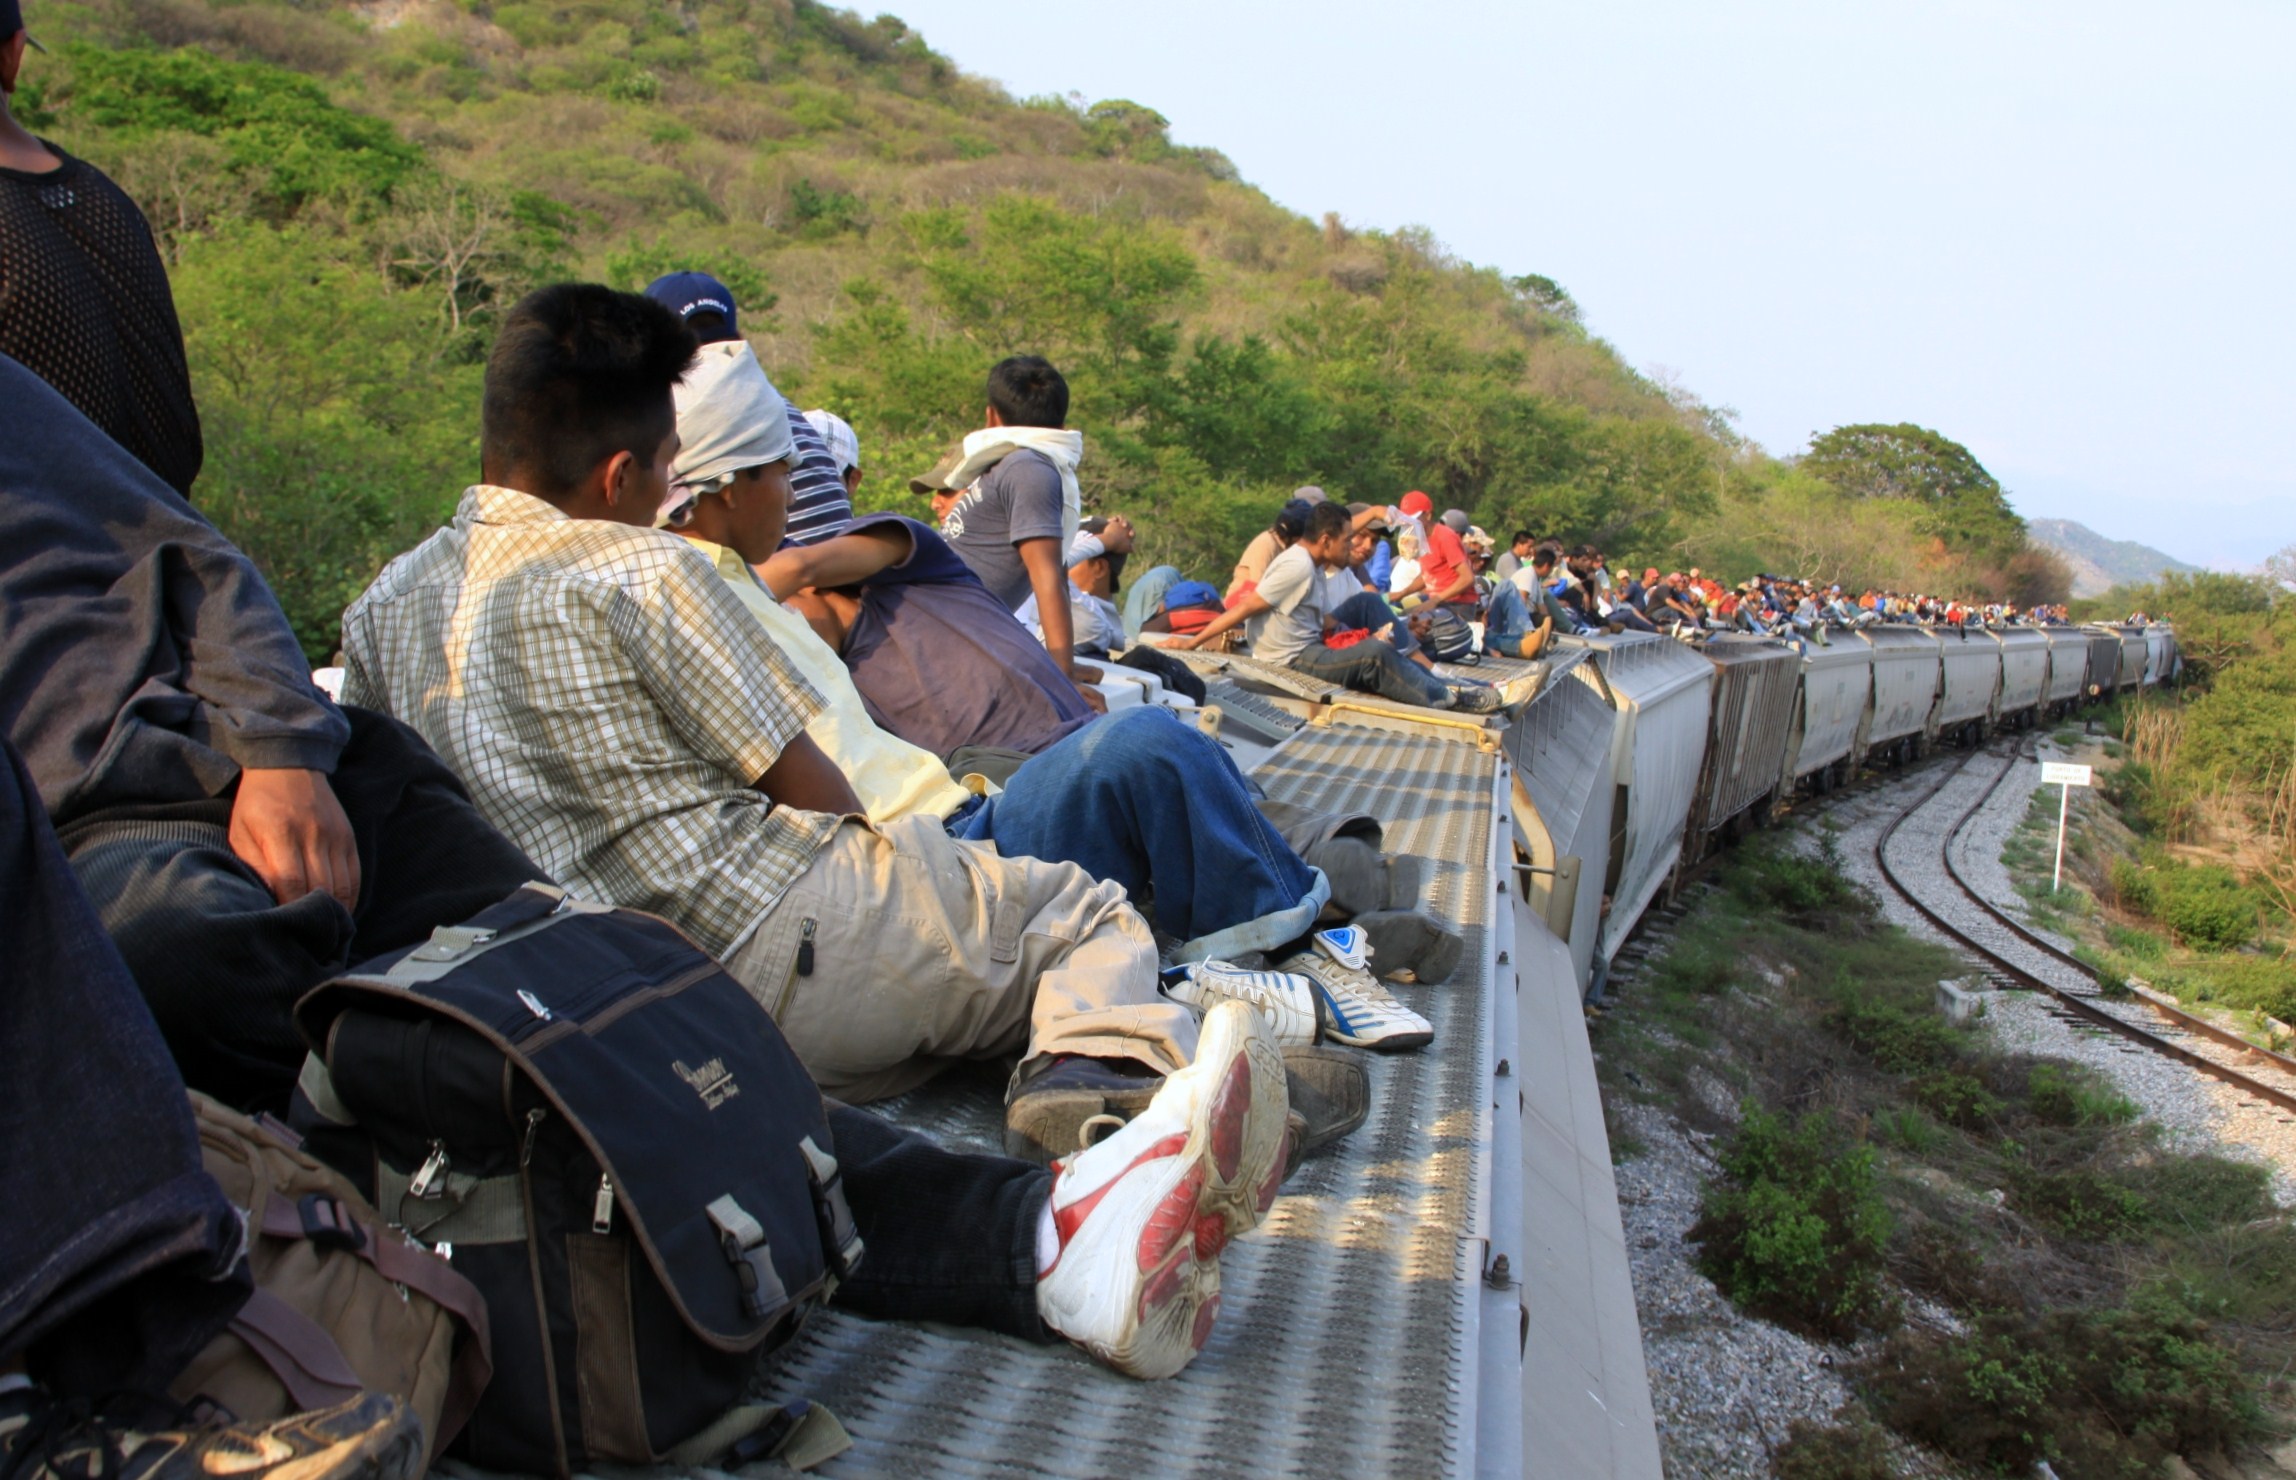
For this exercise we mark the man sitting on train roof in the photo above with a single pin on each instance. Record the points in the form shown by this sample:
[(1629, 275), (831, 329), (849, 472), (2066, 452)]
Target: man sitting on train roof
[(619, 712), (1135, 797), (1294, 611), (1280, 535), (920, 665), (1094, 622)]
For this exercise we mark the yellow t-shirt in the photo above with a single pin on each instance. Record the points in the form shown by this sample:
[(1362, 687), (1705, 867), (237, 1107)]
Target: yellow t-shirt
[(891, 777)]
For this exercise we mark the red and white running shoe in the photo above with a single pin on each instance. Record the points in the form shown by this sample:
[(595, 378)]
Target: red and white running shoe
[(1143, 1215)]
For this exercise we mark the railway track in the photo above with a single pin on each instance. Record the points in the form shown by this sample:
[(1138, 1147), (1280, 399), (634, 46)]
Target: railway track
[(2202, 1045)]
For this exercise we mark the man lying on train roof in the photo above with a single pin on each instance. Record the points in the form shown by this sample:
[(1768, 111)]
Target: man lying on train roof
[(1137, 797), (921, 665)]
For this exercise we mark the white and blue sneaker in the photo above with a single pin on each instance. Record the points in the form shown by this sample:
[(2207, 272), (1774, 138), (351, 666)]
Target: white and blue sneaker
[(1354, 1007), (1287, 1001)]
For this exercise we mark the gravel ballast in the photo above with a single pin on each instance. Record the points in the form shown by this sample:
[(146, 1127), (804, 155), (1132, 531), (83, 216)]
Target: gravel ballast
[(1727, 1387)]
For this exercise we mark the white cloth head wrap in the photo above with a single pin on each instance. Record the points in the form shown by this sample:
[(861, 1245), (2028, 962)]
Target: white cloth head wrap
[(729, 417), (844, 443)]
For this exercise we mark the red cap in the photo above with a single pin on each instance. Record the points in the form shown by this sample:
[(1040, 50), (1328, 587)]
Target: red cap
[(1418, 505)]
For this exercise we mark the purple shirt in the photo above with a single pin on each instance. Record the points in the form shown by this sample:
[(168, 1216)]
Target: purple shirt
[(943, 664)]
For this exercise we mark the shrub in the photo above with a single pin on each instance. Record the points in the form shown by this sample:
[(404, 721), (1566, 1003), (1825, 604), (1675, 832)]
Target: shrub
[(2082, 1203), (2141, 944), (2107, 1393), (2069, 1094), (1908, 1128), (1794, 1227), (2260, 982), (1854, 1450), (2202, 1192), (276, 126), (2207, 906), (1898, 1040), (1957, 1099), (1792, 883), (1697, 967)]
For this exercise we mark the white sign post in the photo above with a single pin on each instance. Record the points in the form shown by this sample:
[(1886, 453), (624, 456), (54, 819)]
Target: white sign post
[(2064, 775)]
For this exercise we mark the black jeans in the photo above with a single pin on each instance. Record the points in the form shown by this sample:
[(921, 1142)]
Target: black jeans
[(118, 1255), (951, 1235), (222, 963)]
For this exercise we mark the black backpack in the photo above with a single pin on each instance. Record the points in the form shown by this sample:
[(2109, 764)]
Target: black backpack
[(610, 1138), (1449, 639)]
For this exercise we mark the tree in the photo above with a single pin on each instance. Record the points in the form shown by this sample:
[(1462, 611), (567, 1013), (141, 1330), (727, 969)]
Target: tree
[(1965, 506), (448, 236), (2280, 568), (1098, 296)]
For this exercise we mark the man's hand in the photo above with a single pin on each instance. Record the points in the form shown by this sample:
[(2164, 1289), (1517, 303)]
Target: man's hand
[(288, 827), (1084, 676)]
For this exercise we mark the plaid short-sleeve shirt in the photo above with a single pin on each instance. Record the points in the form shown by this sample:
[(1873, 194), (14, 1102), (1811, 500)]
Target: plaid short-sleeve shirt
[(607, 700)]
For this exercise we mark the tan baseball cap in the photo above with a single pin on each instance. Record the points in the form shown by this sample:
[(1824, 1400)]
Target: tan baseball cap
[(935, 479)]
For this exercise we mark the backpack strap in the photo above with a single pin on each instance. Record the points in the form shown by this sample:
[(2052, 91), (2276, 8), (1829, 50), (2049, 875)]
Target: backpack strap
[(298, 1351), (327, 1222)]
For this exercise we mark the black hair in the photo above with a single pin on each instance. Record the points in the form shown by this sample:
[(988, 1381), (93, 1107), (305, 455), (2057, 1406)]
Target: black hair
[(1027, 392), (1520, 537), (709, 326), (1327, 519), (1291, 519), (578, 373), (1544, 555)]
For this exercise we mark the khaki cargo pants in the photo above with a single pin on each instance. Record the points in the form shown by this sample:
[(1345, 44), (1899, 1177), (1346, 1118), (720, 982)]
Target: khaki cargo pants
[(927, 949)]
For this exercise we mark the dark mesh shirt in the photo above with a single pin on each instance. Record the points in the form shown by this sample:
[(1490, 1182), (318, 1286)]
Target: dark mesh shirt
[(84, 304)]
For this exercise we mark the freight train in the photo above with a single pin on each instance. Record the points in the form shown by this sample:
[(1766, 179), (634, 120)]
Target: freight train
[(1710, 738)]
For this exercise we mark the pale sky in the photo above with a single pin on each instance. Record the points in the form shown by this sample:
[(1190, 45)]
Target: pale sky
[(2057, 233)]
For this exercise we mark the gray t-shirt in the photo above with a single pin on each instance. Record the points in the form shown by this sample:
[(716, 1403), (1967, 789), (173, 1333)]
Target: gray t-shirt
[(1298, 593), (1018, 499)]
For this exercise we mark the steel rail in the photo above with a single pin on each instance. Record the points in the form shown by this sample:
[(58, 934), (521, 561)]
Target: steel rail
[(2075, 1002), (2175, 1015)]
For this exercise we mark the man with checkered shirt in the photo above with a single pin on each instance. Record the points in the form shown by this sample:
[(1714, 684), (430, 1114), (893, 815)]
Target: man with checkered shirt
[(613, 707)]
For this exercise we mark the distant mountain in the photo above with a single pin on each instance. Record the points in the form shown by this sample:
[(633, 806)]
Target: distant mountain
[(2100, 564)]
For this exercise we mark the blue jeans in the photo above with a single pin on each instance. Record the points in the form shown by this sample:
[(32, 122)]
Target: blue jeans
[(1375, 667), (1507, 620), (1374, 615), (117, 1250), (1143, 800)]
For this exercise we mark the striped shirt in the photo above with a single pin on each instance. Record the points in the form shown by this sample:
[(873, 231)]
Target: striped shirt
[(819, 507), (607, 700)]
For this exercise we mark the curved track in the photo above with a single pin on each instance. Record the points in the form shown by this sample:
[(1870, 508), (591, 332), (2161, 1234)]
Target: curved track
[(2083, 1002)]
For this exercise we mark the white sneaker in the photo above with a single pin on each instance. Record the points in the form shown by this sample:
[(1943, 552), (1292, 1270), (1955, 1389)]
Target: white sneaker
[(1143, 1215), (1356, 1009), (1287, 1001)]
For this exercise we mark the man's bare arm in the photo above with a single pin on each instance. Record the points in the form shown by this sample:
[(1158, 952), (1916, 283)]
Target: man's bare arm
[(806, 778), (1465, 582), (1049, 581), (847, 560), (1243, 611)]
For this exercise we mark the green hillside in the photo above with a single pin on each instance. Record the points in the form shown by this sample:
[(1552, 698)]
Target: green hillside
[(348, 194)]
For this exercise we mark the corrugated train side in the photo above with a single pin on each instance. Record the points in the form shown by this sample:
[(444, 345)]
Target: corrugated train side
[(1702, 742)]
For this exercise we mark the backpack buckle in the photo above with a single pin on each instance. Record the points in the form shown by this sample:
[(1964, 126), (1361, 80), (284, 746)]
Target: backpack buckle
[(743, 1239), (327, 1224), (839, 1240)]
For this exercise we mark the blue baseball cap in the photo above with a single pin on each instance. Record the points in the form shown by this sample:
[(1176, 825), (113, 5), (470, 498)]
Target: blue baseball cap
[(686, 294)]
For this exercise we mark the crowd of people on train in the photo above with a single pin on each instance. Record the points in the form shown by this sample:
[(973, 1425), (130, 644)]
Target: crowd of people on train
[(653, 659), (867, 764)]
